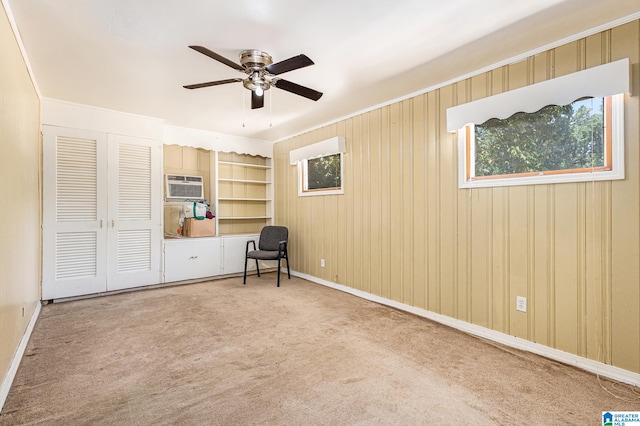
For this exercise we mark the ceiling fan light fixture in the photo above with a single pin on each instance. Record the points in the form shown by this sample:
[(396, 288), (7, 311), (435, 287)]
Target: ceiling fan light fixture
[(253, 85), (260, 73)]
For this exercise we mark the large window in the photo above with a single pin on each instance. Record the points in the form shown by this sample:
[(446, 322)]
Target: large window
[(565, 129), (573, 142), (321, 176), (555, 139)]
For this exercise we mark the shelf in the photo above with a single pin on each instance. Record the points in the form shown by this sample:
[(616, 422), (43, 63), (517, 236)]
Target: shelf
[(244, 199), (244, 193), (243, 217), (244, 181), (255, 166)]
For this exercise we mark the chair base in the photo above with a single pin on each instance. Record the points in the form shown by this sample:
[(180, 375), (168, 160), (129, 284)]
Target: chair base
[(244, 279)]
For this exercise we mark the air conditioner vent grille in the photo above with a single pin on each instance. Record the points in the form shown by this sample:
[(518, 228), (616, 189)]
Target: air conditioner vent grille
[(180, 188)]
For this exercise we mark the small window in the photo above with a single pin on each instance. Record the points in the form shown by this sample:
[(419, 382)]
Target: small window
[(574, 142), (321, 176)]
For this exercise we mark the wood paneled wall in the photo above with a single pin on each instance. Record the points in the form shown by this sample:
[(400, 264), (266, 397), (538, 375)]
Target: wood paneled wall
[(20, 197), (183, 160), (403, 230)]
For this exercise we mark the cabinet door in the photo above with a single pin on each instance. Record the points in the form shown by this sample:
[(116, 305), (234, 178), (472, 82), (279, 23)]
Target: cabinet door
[(178, 260), (234, 249), (135, 208), (207, 256), (74, 212)]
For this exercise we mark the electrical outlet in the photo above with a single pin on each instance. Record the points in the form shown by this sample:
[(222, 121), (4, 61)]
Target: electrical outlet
[(521, 304), (322, 263)]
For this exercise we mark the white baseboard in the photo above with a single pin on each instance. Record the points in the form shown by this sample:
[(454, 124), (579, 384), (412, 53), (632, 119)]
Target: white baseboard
[(5, 386), (599, 368)]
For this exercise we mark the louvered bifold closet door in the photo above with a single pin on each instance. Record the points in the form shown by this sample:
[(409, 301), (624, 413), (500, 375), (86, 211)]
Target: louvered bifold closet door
[(74, 212), (135, 204)]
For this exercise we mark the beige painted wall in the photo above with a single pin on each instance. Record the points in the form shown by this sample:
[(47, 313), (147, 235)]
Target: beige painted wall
[(403, 230), (20, 203)]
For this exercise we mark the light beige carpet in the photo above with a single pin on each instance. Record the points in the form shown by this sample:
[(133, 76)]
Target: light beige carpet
[(223, 353)]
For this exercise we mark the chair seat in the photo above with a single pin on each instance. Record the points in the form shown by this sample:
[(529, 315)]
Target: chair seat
[(263, 254)]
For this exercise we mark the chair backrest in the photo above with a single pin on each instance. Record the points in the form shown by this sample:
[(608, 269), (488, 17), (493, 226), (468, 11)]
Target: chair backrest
[(270, 237)]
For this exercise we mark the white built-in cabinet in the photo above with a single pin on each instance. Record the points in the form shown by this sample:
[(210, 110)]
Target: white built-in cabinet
[(102, 206), (192, 258), (234, 253), (196, 258), (241, 196)]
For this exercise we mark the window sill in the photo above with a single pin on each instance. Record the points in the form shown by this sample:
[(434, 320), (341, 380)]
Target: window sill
[(320, 192), (543, 179)]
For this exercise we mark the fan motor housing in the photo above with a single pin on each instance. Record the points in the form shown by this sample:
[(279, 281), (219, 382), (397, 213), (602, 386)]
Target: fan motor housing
[(255, 59)]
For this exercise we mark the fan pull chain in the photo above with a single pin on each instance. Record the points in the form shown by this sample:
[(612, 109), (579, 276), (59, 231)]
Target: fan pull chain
[(243, 102), (270, 108)]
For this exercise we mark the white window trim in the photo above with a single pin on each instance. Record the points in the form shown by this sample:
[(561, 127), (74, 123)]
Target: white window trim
[(600, 81), (617, 160), (300, 157), (319, 149), (302, 181)]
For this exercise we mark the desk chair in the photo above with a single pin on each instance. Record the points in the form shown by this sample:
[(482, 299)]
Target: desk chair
[(272, 245)]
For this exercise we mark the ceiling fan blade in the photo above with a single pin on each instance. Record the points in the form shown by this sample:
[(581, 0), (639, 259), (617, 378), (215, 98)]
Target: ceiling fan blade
[(256, 101), (290, 64), (212, 83), (219, 58), (314, 95)]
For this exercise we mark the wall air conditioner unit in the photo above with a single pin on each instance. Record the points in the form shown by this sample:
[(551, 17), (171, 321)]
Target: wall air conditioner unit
[(181, 188)]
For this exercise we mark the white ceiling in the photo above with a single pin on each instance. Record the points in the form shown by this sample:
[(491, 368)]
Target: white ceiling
[(132, 55)]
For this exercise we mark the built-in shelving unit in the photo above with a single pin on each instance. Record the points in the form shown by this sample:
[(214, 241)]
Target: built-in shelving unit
[(244, 193)]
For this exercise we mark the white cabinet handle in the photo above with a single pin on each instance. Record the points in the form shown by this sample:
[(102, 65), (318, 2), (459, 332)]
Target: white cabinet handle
[(101, 223), (113, 223)]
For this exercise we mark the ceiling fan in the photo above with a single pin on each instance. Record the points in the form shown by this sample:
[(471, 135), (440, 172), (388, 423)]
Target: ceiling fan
[(261, 74)]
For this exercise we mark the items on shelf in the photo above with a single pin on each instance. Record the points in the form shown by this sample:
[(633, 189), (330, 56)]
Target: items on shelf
[(199, 227), (196, 219), (197, 209)]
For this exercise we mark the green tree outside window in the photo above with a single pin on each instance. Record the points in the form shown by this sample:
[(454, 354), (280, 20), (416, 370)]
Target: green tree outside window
[(324, 172), (554, 138)]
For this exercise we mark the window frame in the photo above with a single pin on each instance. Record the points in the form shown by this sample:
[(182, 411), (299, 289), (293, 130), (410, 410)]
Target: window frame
[(303, 181), (613, 168)]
